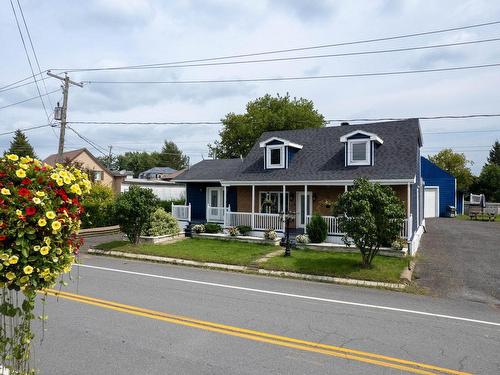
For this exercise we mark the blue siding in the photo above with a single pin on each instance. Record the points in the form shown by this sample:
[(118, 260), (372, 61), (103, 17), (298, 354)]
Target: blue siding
[(291, 153), (196, 194), (435, 176), (231, 198)]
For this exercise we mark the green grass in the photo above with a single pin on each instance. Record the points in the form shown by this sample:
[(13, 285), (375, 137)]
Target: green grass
[(346, 265), (479, 218), (199, 249)]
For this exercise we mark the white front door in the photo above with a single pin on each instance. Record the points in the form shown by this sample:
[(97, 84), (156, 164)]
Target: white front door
[(431, 202), (300, 209), (215, 204)]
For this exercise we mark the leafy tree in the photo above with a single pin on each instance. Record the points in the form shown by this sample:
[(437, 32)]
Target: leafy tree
[(241, 131), (488, 182), (111, 162), (455, 164), (99, 206), (171, 156), (373, 217), (133, 211), (138, 162), (494, 157), (20, 145), (317, 229)]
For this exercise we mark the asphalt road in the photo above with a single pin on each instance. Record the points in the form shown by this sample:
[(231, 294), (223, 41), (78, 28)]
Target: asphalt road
[(95, 337)]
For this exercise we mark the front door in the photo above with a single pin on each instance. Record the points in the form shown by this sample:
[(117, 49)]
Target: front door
[(215, 209), (301, 219)]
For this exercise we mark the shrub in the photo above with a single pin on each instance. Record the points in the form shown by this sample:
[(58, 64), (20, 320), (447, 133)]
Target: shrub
[(198, 228), (99, 207), (399, 243), (270, 234), (302, 238), (244, 229), (133, 211), (233, 231), (317, 229), (213, 228), (167, 205), (161, 224)]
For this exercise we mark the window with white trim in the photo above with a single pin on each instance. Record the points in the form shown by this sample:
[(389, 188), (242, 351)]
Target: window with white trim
[(271, 202), (275, 156), (98, 175), (358, 151)]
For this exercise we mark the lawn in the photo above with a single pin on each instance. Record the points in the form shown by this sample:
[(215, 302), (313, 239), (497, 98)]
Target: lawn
[(199, 249), (346, 265), (479, 218)]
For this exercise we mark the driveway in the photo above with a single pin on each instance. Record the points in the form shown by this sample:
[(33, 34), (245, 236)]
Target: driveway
[(460, 259)]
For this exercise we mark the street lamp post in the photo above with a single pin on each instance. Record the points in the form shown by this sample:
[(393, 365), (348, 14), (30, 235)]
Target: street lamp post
[(285, 242)]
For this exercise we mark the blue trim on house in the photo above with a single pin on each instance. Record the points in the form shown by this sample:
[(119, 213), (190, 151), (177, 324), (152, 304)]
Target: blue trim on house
[(196, 194), (435, 176)]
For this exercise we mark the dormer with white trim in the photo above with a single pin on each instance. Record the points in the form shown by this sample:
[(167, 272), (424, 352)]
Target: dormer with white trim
[(359, 147), (278, 152)]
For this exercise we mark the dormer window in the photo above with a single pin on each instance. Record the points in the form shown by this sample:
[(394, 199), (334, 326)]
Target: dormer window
[(278, 152), (275, 156), (360, 147)]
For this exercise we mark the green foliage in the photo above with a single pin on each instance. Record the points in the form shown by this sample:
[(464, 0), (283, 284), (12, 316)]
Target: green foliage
[(99, 207), (171, 156), (233, 231), (488, 182), (161, 223), (317, 229), (167, 205), (21, 146), (244, 229), (241, 131), (133, 211), (374, 216), (213, 228), (494, 157), (455, 164)]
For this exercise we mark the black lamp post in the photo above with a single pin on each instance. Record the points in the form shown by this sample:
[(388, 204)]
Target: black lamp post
[(285, 241)]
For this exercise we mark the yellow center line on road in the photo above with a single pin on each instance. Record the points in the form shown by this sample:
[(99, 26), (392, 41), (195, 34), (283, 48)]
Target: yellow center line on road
[(356, 355)]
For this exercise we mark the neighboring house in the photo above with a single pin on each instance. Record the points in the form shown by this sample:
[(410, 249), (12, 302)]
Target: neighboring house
[(164, 190), (157, 173), (303, 171), (440, 190), (98, 171)]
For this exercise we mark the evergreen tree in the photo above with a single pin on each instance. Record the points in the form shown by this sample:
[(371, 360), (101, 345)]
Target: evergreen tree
[(494, 157), (21, 146), (171, 156)]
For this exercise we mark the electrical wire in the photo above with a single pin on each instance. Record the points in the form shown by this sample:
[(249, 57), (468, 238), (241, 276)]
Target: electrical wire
[(363, 41), (23, 84), (303, 78), (27, 100), (94, 145), (26, 129)]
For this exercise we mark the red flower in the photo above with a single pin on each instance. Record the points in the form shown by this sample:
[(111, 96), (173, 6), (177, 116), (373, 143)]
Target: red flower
[(26, 181), (2, 237), (30, 211), (23, 192)]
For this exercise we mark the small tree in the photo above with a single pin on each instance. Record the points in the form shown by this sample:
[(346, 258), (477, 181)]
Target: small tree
[(99, 206), (494, 156), (162, 223), (373, 217), (317, 229), (20, 145), (133, 211)]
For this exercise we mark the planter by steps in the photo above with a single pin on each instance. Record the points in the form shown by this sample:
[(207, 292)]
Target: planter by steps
[(161, 239)]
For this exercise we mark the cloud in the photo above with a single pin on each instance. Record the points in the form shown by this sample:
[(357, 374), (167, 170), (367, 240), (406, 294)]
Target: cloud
[(306, 11)]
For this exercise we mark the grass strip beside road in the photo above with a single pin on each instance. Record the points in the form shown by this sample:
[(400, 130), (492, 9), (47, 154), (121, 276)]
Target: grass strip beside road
[(198, 249), (330, 350)]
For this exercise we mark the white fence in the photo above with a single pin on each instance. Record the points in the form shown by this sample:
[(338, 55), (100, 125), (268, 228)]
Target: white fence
[(267, 221), (406, 229), (181, 212), (332, 224), (215, 214), (233, 219)]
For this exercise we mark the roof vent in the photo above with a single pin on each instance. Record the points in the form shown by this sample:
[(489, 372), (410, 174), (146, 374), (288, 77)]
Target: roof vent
[(344, 123)]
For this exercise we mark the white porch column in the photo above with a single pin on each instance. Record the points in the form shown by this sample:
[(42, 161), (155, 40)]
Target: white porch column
[(345, 188), (284, 205), (253, 206), (408, 197), (224, 205), (305, 208)]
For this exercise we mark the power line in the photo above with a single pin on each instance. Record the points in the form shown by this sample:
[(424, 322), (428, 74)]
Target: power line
[(372, 40), (295, 58), (303, 78), (96, 146), (27, 100), (21, 80), (26, 129), (23, 84)]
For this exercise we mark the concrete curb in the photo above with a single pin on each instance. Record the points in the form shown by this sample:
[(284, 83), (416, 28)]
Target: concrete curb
[(229, 267), (407, 273)]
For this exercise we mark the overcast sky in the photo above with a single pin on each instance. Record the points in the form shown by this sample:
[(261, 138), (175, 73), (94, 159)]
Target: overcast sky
[(74, 34)]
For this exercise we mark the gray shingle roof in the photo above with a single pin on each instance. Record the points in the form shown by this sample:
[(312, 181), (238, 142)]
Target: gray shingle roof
[(155, 170), (322, 156)]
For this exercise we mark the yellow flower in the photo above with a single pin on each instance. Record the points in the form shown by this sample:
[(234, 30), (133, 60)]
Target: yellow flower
[(67, 180), (21, 173), (67, 268), (19, 213), (37, 162), (13, 259), (54, 176), (56, 225), (50, 214), (28, 270), (4, 256), (10, 276), (58, 251), (42, 222), (37, 200), (24, 279), (47, 240), (23, 165), (60, 182), (36, 248), (12, 157), (5, 191), (75, 188), (40, 194), (44, 250)]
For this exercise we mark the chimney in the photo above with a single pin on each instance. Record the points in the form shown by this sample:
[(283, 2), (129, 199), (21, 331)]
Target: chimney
[(344, 123)]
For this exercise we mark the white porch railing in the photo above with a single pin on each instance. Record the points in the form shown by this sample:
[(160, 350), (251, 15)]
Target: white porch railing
[(406, 229), (233, 219), (267, 221), (181, 212), (332, 224), (215, 214)]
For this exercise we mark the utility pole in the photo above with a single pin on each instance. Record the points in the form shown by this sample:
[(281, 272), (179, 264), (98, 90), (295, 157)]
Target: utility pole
[(62, 132), (110, 157)]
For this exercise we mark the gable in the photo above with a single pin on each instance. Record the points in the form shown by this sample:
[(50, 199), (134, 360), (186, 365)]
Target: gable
[(431, 170)]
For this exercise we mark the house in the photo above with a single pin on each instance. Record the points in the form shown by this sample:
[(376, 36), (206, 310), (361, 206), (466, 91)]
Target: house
[(440, 190), (164, 190), (303, 171), (159, 173), (97, 170)]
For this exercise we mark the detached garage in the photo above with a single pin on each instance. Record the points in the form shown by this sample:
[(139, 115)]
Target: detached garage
[(440, 190)]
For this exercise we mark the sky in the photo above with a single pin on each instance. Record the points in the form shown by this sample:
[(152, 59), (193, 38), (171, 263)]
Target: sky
[(101, 33)]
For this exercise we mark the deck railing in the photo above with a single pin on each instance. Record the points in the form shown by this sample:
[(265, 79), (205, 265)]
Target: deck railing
[(267, 221), (216, 214), (233, 219), (181, 212), (332, 224), (406, 229)]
